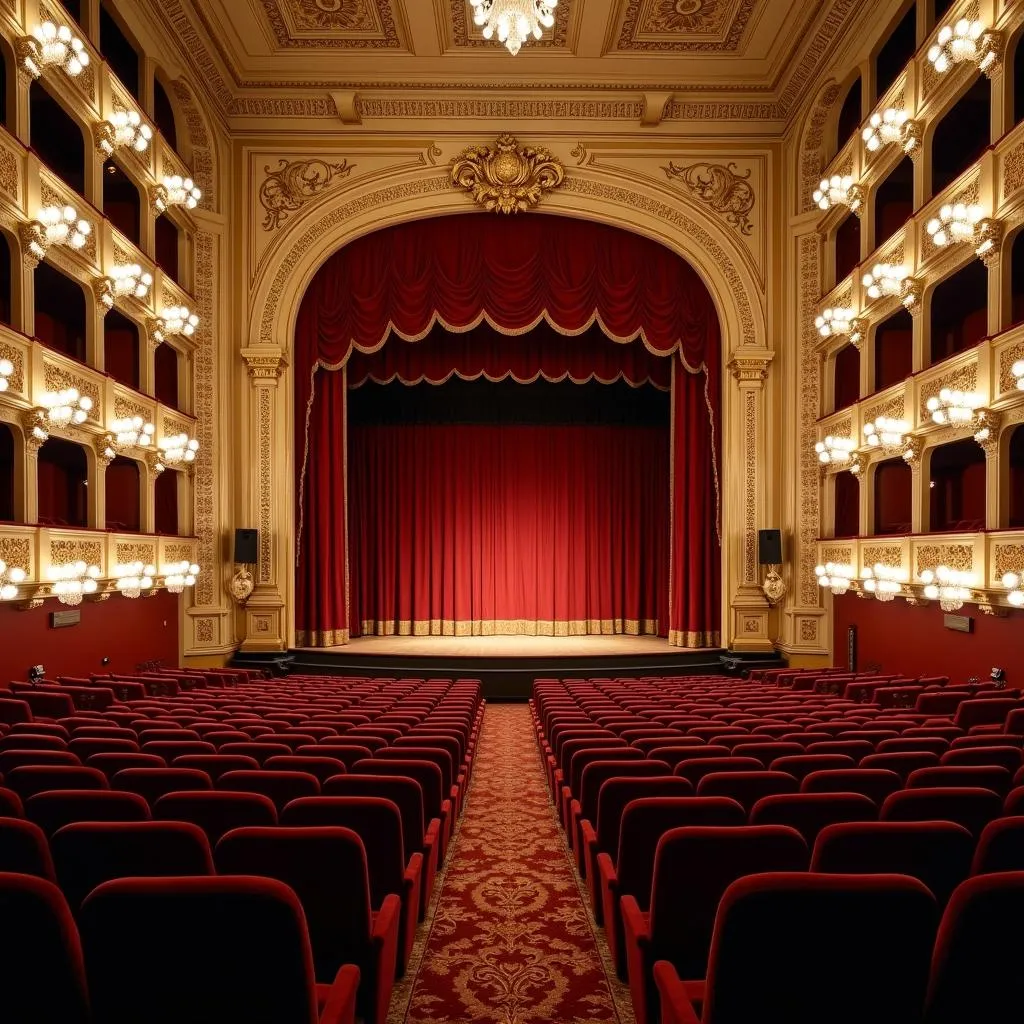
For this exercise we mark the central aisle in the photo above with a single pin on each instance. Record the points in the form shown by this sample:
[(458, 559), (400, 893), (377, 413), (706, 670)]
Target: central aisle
[(510, 941)]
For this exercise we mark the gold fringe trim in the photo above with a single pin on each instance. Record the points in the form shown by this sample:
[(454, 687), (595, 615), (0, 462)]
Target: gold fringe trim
[(509, 627), (505, 376), (321, 637), (694, 638)]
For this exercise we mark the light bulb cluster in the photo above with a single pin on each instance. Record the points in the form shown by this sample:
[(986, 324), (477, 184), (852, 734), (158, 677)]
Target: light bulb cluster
[(66, 407), (73, 580), (132, 432), (955, 222), (886, 433), (178, 448), (130, 280), (132, 578), (175, 190), (178, 575), (884, 128), (1017, 370), (883, 581), (835, 450), (11, 577), (834, 576), (513, 21), (884, 279), (124, 129), (1014, 584), (178, 320), (953, 408), (966, 40), (950, 587), (839, 190), (53, 46), (835, 320), (6, 372)]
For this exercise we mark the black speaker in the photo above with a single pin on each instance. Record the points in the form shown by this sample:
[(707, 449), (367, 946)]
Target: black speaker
[(769, 547), (247, 546)]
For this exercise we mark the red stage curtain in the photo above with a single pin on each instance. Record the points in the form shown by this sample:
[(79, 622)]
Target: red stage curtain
[(515, 273), (488, 529)]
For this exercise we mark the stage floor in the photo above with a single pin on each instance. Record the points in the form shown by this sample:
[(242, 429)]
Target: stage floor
[(616, 646)]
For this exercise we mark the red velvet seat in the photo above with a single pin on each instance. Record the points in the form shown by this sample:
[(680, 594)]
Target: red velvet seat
[(1005, 756), (42, 980), (746, 787), (766, 751), (692, 869), (346, 753), (153, 783), (323, 768), (808, 948), (216, 812), (169, 750), (235, 946), (56, 808), (984, 711), (856, 749), (216, 765), (903, 763), (23, 849), (378, 823), (10, 759), (937, 745), (31, 779), (59, 729), (674, 753), (801, 765), (88, 853), (326, 868), (975, 973), (809, 813), (453, 777), (85, 746), (32, 741), (279, 786), (999, 780), (259, 750), (694, 769), (111, 764), (874, 783), (972, 808), (10, 804), (936, 852), (1000, 847), (13, 710)]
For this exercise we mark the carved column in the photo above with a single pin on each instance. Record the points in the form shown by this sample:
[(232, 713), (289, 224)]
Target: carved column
[(745, 502), (995, 489), (266, 628)]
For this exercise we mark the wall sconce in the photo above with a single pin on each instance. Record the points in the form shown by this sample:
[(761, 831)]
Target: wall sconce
[(966, 40), (884, 279), (178, 320), (11, 577), (911, 295), (7, 371), (52, 46), (835, 320), (175, 190), (892, 125), (839, 190), (178, 575), (55, 225), (883, 581), (130, 280), (835, 450), (71, 581), (124, 129), (835, 577), (1013, 584), (953, 408), (133, 578), (912, 450), (66, 407), (988, 236), (1017, 370), (950, 587), (886, 433), (131, 433), (955, 222), (178, 449)]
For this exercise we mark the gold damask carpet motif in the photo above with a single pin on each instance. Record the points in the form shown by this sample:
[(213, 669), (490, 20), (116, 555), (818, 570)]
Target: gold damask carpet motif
[(510, 940)]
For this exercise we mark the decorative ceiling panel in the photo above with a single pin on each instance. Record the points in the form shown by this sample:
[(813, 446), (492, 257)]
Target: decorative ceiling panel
[(345, 24), (684, 26), (465, 34)]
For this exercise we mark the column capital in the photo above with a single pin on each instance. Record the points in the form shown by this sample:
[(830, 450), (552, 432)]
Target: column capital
[(750, 366), (265, 364)]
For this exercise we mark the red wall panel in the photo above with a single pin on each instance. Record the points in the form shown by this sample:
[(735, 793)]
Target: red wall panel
[(128, 632), (913, 641)]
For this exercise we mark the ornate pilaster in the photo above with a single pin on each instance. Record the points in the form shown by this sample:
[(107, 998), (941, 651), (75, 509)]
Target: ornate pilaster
[(265, 625), (988, 437), (746, 500)]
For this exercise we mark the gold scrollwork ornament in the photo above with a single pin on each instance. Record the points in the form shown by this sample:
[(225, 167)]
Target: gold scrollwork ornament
[(507, 177)]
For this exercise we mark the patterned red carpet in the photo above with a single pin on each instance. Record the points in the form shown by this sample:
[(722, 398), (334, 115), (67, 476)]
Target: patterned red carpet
[(510, 940)]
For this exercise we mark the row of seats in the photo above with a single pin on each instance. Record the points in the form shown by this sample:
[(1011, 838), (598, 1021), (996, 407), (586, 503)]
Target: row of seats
[(673, 789), (346, 796)]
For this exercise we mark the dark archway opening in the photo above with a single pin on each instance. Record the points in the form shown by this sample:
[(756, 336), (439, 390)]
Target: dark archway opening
[(163, 114), (894, 497), (894, 200), (957, 487), (962, 135), (847, 376), (1016, 115), (166, 381), (119, 51), (896, 52), (6, 474), (121, 202), (1017, 279), (60, 310), (894, 349), (63, 484), (74, 8), (57, 138), (121, 348), (1016, 479), (849, 114), (940, 8), (847, 505), (167, 246), (167, 503), (124, 512), (6, 281), (847, 245), (6, 68), (959, 311)]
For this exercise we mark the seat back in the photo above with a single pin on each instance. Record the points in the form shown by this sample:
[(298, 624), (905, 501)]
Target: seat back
[(596, 773), (31, 779), (801, 765), (235, 946), (346, 753), (153, 783), (903, 763), (746, 787), (323, 768), (216, 812), (88, 853), (426, 773), (997, 754), (216, 765), (972, 808), (59, 807), (1000, 848), (618, 792), (280, 787), (993, 777), (674, 753), (405, 793), (23, 849), (809, 813), (111, 764), (874, 783)]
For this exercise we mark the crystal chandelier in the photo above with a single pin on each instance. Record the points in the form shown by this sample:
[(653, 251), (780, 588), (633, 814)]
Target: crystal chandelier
[(178, 575), (839, 190), (956, 222), (178, 320), (884, 279), (178, 448), (955, 408), (66, 407), (131, 433), (514, 21), (835, 450), (124, 129), (175, 190), (130, 279), (837, 320), (6, 372), (884, 128), (883, 581), (71, 581), (886, 433), (1017, 370), (949, 587), (133, 578), (966, 40), (1013, 583), (52, 46), (10, 578), (834, 577)]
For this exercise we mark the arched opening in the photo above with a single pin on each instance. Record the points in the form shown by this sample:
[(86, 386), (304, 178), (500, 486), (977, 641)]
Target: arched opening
[(121, 202), (57, 137), (63, 484), (166, 498), (74, 8), (849, 114), (7, 64), (167, 245), (6, 281), (60, 311), (962, 135), (121, 348), (1016, 458), (123, 495), (166, 375), (959, 311), (119, 51), (940, 8), (847, 376), (1016, 115), (894, 497), (957, 487), (894, 200), (163, 114), (1017, 280), (847, 495), (894, 349), (6, 474), (847, 244), (896, 51)]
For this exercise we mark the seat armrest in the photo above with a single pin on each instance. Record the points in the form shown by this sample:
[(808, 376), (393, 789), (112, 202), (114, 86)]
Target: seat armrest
[(676, 1007), (635, 922), (340, 1007), (385, 921)]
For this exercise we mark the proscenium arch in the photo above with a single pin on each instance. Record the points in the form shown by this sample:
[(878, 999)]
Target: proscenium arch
[(665, 217)]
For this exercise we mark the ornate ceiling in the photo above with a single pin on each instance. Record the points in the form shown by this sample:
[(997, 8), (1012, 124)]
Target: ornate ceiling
[(739, 60)]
